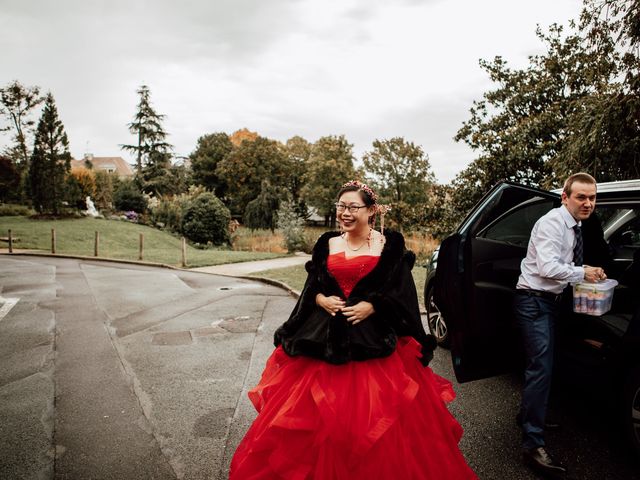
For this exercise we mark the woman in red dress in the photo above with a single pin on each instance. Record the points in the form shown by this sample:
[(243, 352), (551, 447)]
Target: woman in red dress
[(347, 393)]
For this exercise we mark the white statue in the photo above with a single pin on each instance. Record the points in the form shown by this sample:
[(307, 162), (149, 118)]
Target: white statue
[(91, 209)]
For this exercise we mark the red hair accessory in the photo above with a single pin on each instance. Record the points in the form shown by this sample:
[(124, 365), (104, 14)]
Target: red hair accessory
[(364, 187), (382, 210)]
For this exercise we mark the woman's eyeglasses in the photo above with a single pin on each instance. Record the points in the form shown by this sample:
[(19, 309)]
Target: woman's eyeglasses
[(341, 207)]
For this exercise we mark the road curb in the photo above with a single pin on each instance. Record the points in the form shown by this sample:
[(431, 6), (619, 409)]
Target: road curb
[(87, 257), (269, 281), (276, 283)]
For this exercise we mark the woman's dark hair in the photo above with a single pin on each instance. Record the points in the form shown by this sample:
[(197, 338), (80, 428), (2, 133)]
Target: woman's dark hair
[(366, 198)]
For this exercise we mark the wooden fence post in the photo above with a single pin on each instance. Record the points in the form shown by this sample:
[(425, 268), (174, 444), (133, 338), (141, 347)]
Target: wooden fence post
[(10, 242), (184, 252), (53, 241), (96, 244), (141, 255)]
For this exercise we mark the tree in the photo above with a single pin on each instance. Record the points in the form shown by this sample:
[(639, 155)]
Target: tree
[(210, 151), (605, 132), (159, 177), (329, 166), (402, 174), (246, 166), (17, 103), (9, 179), (297, 151), (556, 116), (436, 216), (261, 212), (147, 126), (242, 135), (50, 161), (81, 183)]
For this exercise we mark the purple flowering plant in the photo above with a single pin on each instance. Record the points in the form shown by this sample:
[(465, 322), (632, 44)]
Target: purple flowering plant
[(131, 216)]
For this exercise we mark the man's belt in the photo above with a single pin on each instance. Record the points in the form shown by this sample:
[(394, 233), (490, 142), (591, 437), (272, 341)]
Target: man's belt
[(554, 297)]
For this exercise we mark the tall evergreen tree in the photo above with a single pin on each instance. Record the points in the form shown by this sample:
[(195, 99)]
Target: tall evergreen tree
[(151, 136), (159, 177), (50, 161)]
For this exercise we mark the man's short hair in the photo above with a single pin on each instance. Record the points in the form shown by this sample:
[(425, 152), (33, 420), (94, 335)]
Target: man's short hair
[(581, 177)]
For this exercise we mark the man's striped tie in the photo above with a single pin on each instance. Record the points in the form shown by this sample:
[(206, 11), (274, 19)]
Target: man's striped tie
[(578, 250)]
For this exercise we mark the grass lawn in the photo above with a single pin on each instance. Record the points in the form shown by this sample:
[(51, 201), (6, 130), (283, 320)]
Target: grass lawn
[(296, 276), (118, 239)]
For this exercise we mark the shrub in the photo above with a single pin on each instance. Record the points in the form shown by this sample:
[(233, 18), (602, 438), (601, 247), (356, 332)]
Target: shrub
[(206, 220), (10, 210), (81, 183), (166, 212), (128, 197), (292, 227), (104, 190)]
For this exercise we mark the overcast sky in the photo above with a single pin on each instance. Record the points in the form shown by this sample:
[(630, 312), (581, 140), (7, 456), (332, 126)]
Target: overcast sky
[(368, 69)]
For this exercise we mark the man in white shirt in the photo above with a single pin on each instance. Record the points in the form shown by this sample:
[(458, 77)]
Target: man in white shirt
[(553, 260)]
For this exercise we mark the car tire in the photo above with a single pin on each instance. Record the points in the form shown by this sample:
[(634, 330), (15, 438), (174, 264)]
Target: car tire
[(435, 320), (631, 408)]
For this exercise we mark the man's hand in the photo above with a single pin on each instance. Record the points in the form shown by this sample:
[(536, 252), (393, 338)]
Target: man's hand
[(358, 312), (593, 274), (331, 305)]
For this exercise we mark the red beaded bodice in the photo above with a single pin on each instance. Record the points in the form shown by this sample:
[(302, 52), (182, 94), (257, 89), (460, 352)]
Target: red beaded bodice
[(349, 271)]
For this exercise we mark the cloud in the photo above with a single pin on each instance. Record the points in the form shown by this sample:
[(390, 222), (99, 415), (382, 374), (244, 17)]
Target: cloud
[(366, 69)]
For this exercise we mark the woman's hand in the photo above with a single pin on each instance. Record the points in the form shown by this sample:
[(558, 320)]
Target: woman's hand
[(331, 305), (358, 312)]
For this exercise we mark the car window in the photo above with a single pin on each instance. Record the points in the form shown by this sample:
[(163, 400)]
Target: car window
[(515, 226), (621, 225), (502, 198)]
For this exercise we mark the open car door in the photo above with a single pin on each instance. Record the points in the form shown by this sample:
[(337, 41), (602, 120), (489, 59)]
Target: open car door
[(478, 268)]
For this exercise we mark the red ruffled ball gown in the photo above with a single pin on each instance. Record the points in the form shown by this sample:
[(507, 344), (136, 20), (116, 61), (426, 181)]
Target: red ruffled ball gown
[(379, 419)]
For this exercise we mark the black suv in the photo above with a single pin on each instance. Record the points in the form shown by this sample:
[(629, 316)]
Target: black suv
[(474, 283)]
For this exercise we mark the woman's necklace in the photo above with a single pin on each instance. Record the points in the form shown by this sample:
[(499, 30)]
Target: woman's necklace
[(368, 241)]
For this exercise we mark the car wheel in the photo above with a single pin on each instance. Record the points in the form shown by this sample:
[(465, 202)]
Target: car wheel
[(436, 322), (631, 408)]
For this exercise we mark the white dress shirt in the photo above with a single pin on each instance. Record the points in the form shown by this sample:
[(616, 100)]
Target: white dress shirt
[(548, 265)]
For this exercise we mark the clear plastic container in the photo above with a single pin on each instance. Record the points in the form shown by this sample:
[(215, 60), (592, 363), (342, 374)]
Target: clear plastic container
[(593, 298)]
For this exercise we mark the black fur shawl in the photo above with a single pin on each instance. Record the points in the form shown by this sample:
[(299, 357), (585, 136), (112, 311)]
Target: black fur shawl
[(389, 287)]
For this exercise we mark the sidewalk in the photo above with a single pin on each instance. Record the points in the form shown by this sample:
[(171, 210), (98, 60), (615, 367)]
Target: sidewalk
[(245, 268)]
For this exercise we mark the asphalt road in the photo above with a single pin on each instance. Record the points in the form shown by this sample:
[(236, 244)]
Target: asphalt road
[(117, 371)]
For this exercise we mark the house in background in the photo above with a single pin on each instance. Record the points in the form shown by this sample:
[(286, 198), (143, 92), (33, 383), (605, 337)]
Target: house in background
[(115, 165), (313, 217)]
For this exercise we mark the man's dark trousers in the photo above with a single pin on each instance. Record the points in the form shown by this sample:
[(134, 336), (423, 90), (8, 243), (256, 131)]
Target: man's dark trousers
[(536, 318)]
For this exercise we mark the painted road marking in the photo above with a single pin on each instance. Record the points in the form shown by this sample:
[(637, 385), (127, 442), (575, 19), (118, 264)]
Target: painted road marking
[(7, 305)]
